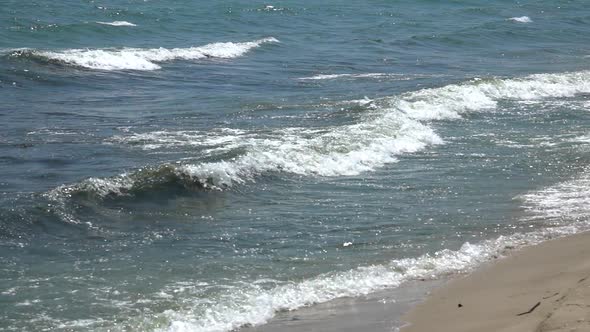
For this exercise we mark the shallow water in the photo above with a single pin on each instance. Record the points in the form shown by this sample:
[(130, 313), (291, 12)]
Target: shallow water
[(194, 166)]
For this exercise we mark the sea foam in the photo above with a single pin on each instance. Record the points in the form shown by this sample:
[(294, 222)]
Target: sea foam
[(118, 23), (453, 100), (521, 19), (140, 58), (357, 76)]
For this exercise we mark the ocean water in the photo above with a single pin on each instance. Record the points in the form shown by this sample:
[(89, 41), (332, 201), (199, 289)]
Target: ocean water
[(203, 166)]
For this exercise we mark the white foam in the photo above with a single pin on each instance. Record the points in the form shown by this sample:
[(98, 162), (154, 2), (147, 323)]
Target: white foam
[(102, 187), (270, 8), (118, 24), (223, 139), (346, 150), (355, 76), (580, 139), (147, 59), (79, 324), (254, 305), (521, 19), (451, 101)]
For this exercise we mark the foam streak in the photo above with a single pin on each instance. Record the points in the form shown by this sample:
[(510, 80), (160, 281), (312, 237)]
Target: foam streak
[(143, 59), (118, 24)]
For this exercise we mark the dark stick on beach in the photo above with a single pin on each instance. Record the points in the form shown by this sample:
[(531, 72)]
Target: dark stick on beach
[(531, 310)]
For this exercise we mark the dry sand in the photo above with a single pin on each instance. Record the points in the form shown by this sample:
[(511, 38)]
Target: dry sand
[(540, 288)]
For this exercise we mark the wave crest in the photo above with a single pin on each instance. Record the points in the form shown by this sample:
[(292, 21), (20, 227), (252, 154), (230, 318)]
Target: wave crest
[(347, 150), (127, 184), (451, 101), (139, 58)]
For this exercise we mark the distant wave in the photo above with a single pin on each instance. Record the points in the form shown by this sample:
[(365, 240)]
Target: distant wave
[(270, 8), (396, 126), (521, 19), (353, 76), (118, 24), (139, 58), (480, 94)]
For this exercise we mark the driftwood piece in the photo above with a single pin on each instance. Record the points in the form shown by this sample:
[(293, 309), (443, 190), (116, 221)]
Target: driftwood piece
[(530, 310)]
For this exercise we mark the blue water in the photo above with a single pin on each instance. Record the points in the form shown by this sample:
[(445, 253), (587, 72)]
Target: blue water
[(201, 166)]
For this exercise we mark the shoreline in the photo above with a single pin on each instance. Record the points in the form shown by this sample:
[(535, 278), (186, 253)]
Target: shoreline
[(496, 291), (377, 312), (545, 287)]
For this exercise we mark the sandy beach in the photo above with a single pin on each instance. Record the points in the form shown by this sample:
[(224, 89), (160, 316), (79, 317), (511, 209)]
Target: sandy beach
[(541, 288)]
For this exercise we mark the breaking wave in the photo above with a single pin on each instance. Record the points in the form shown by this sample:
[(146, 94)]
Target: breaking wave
[(346, 150), (140, 58), (453, 100), (395, 126)]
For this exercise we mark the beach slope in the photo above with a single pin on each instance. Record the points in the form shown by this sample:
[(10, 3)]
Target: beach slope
[(540, 288)]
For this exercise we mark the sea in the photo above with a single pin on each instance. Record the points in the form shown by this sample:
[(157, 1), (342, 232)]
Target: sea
[(210, 165)]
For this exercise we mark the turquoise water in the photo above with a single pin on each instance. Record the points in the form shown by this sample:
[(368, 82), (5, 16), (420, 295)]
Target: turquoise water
[(193, 166)]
